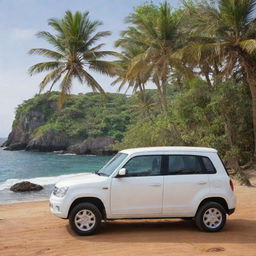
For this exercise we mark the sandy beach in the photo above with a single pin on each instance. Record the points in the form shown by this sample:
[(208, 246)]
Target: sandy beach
[(30, 229)]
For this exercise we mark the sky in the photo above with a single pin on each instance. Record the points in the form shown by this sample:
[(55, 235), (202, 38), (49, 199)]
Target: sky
[(20, 20)]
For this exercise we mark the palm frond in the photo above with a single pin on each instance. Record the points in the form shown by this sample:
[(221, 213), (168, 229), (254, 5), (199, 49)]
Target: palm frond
[(99, 54), (103, 67), (248, 45), (45, 66), (93, 84), (52, 76), (47, 53), (96, 37), (53, 40)]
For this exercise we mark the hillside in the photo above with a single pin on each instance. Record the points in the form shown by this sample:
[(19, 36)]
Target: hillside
[(88, 124)]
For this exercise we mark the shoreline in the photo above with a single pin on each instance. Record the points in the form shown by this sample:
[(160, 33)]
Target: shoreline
[(21, 202)]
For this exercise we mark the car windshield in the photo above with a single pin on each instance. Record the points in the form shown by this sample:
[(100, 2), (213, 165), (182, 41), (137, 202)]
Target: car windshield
[(108, 169)]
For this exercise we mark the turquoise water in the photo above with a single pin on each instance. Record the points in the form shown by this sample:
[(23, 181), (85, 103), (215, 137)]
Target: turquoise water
[(41, 168), (22, 164)]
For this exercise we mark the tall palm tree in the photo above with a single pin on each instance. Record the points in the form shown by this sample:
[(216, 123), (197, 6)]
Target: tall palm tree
[(74, 53), (158, 38), (226, 33)]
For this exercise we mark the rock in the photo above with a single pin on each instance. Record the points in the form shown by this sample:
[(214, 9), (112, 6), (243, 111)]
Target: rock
[(97, 146), (15, 146), (25, 186), (50, 141), (23, 129)]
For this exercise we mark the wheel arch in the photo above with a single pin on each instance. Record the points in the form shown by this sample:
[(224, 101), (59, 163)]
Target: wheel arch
[(219, 200), (93, 200)]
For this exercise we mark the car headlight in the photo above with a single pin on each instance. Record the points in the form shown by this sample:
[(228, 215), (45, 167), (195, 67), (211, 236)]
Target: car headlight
[(60, 192)]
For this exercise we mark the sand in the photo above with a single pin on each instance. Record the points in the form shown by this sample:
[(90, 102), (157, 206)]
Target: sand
[(30, 229)]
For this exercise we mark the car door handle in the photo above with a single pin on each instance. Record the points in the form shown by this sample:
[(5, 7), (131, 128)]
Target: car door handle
[(155, 185), (201, 182)]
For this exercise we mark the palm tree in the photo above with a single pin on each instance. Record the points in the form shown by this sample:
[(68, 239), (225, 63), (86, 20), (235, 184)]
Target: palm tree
[(124, 76), (226, 33), (75, 53), (158, 38), (145, 105)]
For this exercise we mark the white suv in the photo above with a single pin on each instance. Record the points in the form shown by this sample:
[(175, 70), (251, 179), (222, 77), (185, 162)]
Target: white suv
[(155, 182)]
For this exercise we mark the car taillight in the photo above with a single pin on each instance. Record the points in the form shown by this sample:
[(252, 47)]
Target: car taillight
[(231, 185)]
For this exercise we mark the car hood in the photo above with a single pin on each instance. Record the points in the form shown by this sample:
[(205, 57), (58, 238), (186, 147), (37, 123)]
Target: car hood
[(81, 179)]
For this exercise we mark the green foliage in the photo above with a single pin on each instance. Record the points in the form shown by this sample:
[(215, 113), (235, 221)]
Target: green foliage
[(198, 116), (145, 133), (36, 103), (84, 115)]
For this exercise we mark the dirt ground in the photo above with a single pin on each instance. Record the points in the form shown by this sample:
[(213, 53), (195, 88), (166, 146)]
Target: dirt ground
[(30, 229)]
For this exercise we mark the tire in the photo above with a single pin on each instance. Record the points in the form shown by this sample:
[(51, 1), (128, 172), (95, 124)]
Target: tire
[(85, 219), (211, 217)]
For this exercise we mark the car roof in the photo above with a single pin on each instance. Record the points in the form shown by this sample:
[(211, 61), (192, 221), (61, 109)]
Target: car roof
[(168, 149)]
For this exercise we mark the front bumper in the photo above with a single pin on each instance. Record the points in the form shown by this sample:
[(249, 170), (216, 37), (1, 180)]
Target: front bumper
[(57, 207)]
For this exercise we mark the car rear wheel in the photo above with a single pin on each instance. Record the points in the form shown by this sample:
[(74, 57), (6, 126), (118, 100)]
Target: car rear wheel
[(211, 217), (85, 219)]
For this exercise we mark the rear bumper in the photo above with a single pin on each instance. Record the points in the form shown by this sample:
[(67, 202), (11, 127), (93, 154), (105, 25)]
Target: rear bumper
[(231, 211)]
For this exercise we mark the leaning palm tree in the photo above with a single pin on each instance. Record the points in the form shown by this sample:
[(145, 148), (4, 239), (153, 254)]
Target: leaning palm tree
[(226, 33), (74, 54)]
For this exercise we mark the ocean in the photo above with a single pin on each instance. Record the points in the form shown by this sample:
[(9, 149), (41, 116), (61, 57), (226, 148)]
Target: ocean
[(41, 168)]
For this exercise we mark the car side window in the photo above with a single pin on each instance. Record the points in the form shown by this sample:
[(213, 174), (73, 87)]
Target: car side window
[(183, 164), (189, 164), (143, 166)]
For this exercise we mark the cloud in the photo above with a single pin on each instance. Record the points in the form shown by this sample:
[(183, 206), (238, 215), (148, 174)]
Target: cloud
[(22, 34)]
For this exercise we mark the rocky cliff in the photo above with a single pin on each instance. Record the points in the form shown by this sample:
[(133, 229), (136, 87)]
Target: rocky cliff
[(88, 124)]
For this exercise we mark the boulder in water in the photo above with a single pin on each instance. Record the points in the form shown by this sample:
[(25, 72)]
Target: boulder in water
[(25, 186)]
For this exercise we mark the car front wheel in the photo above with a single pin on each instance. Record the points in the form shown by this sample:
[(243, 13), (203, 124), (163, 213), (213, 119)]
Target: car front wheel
[(85, 219), (211, 217)]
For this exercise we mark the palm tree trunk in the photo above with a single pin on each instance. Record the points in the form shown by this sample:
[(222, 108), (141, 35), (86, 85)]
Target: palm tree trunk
[(251, 80), (240, 175), (164, 98), (252, 85), (249, 66), (162, 95), (233, 157)]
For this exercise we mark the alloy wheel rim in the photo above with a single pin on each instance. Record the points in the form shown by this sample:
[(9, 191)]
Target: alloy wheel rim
[(85, 220), (212, 218)]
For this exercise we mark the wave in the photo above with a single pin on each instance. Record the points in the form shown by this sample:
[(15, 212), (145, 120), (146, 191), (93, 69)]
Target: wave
[(39, 180), (71, 154), (66, 154)]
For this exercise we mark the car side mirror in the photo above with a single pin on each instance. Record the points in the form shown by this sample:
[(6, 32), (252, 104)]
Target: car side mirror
[(122, 172)]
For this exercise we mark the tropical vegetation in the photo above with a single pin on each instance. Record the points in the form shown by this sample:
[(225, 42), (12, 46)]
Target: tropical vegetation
[(200, 58), (84, 115)]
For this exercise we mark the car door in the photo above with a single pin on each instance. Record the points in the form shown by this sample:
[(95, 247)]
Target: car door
[(139, 193), (184, 183)]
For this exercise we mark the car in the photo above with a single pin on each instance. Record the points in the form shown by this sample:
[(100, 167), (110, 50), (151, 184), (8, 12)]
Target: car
[(150, 182)]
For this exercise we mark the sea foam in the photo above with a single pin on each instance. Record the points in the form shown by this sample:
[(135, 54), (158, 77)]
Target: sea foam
[(39, 180)]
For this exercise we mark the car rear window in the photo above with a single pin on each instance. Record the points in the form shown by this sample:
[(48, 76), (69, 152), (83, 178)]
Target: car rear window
[(189, 164), (209, 167)]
